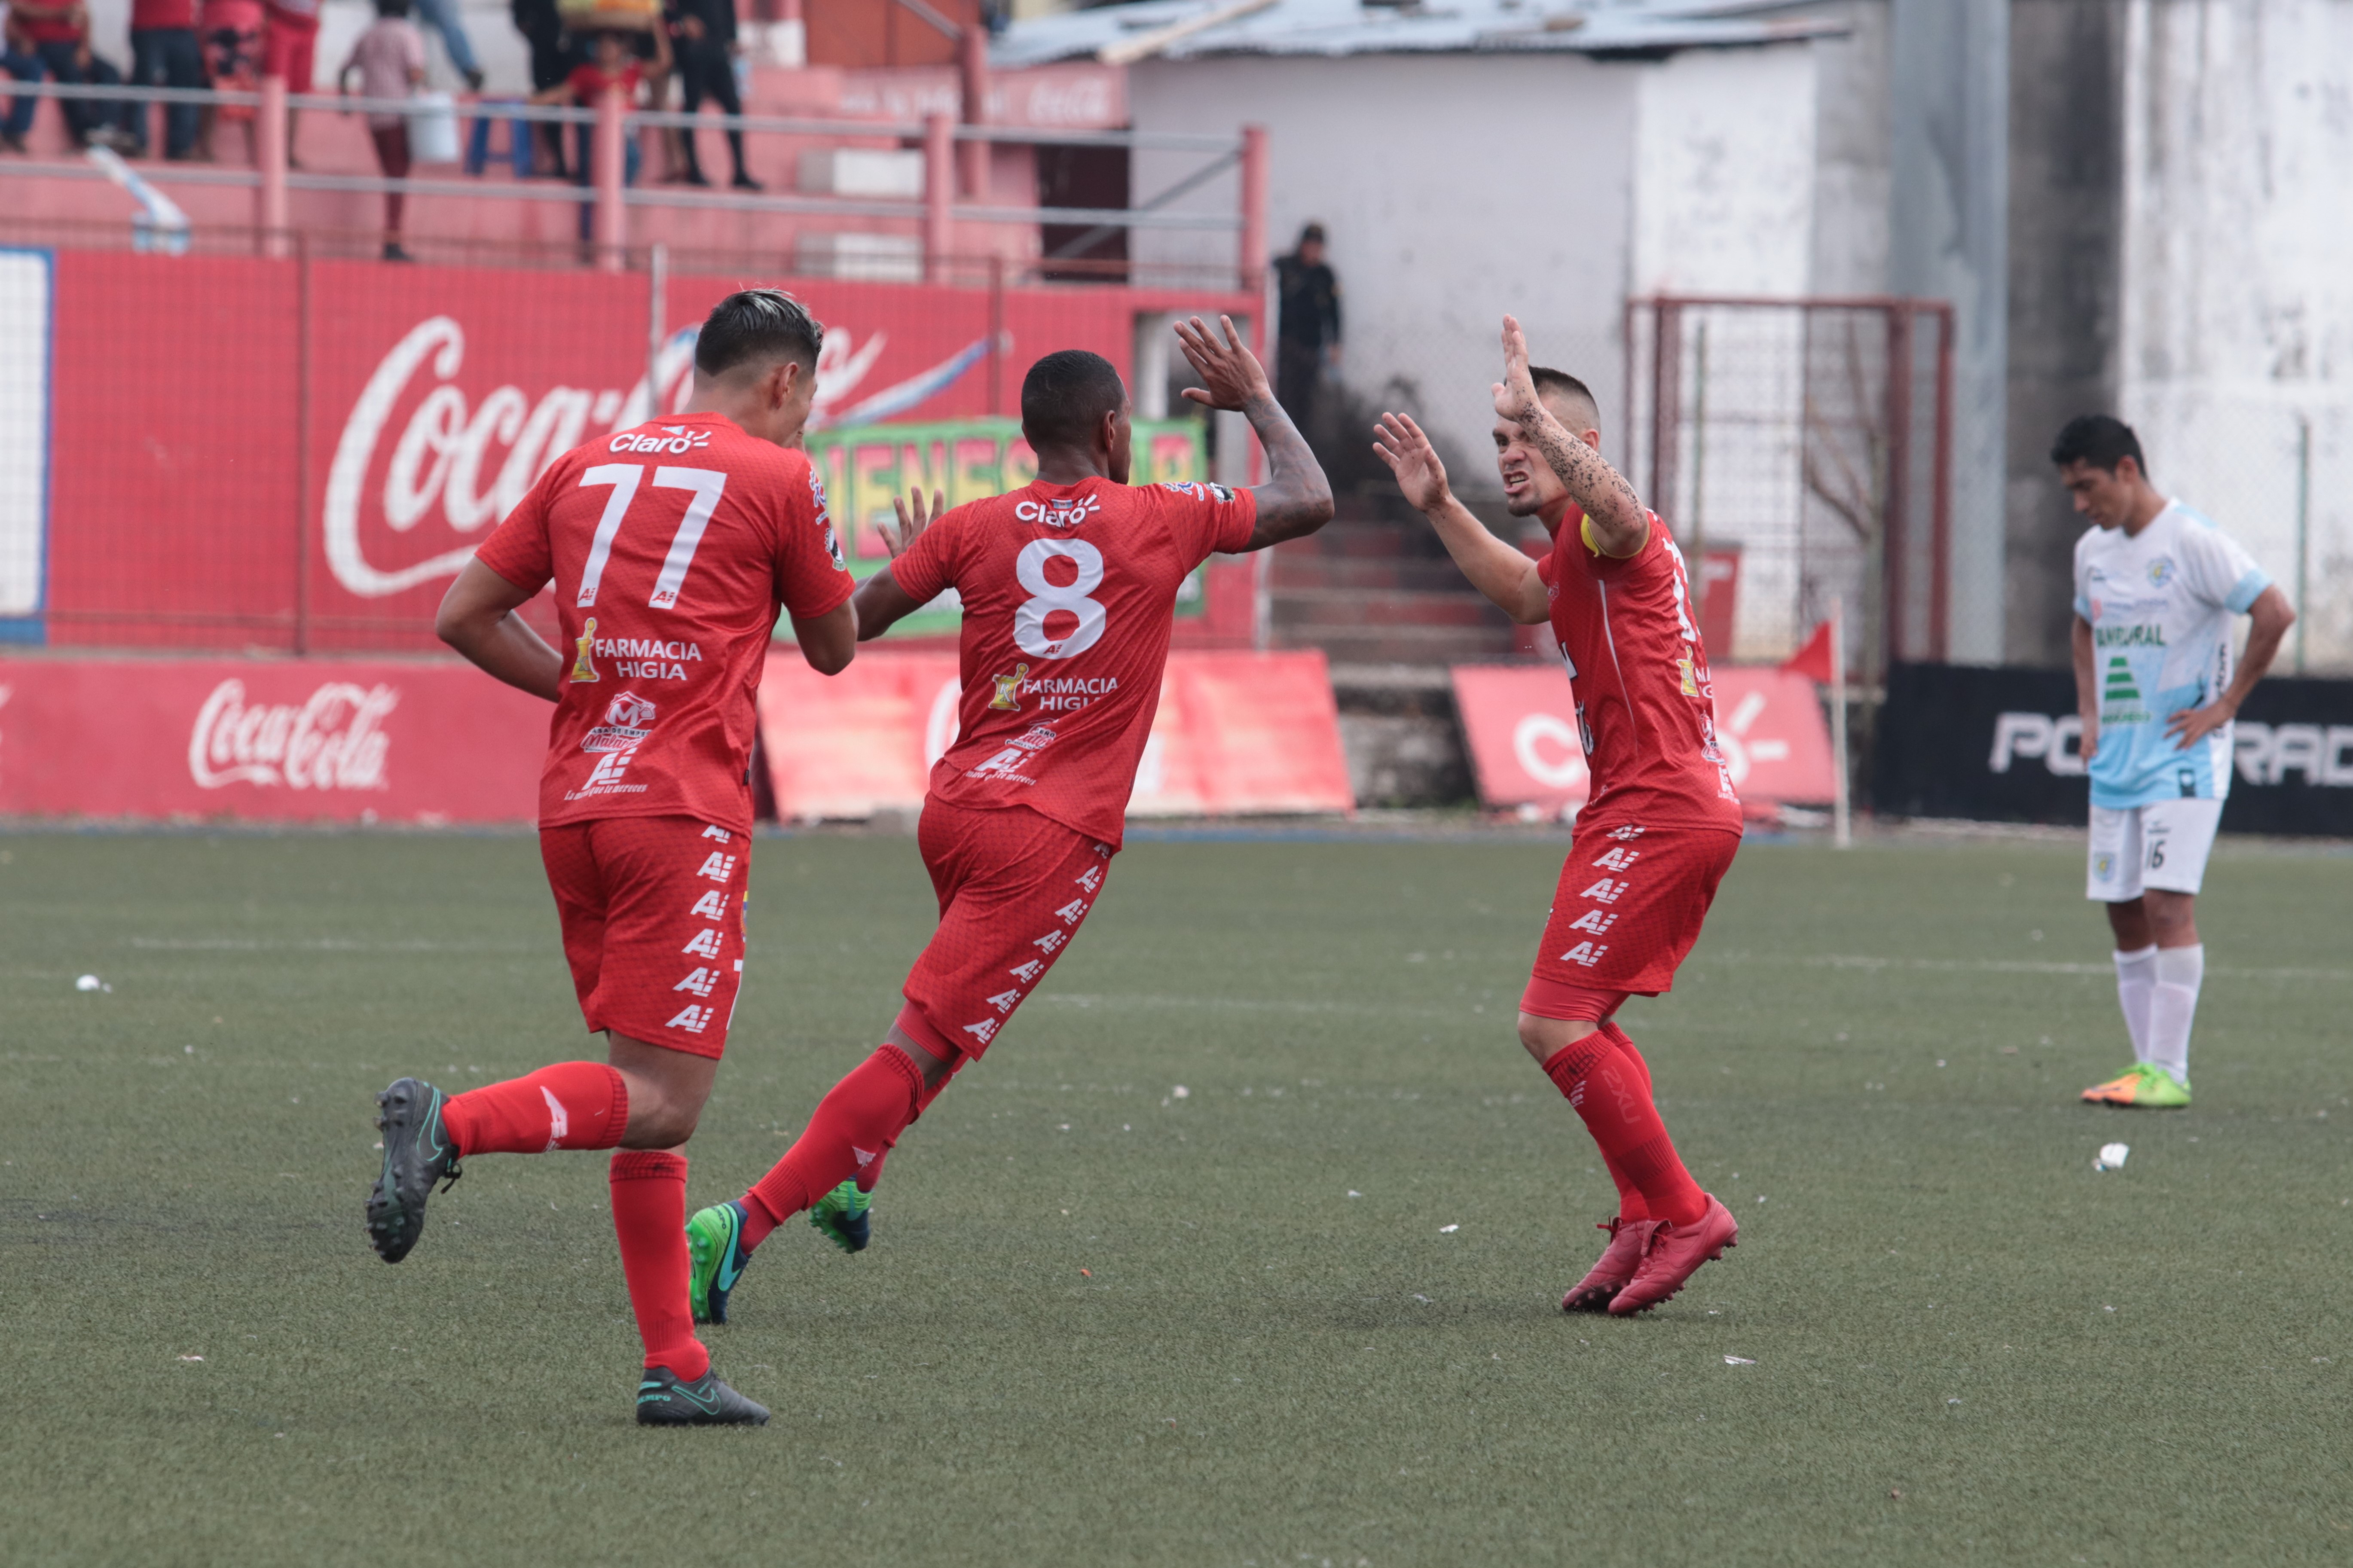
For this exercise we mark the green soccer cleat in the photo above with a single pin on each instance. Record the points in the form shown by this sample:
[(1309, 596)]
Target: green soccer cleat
[(2144, 1086), (841, 1217), (666, 1399), (714, 1237)]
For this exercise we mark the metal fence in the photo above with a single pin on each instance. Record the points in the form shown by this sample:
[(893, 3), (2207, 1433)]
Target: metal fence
[(1814, 437)]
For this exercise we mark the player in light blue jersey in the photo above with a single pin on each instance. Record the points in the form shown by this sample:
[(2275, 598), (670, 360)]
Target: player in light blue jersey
[(2158, 592)]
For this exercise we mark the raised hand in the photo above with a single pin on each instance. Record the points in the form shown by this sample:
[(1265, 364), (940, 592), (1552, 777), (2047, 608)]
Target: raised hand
[(1232, 372), (912, 520), (1515, 394), (1399, 442)]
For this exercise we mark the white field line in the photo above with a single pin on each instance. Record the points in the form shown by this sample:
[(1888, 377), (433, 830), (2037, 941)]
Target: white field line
[(2007, 966), (318, 944)]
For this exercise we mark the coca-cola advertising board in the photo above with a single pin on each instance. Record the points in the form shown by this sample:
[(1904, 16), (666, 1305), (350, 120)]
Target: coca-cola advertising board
[(288, 453), (1521, 726), (1235, 734), (268, 739)]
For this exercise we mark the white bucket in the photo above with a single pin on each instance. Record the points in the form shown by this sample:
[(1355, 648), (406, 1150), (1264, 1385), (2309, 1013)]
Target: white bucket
[(433, 128)]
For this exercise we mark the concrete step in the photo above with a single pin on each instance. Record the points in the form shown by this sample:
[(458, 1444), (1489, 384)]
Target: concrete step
[(1418, 573), (1415, 645), (1321, 607)]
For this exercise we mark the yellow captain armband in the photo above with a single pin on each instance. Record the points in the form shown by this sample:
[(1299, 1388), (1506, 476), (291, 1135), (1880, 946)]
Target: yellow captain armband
[(1585, 531)]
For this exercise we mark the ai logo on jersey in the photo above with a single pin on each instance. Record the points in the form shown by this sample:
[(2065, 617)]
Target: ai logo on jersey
[(1009, 690), (582, 669)]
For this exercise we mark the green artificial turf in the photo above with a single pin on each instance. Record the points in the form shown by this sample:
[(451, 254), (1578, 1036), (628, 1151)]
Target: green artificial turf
[(1104, 1324)]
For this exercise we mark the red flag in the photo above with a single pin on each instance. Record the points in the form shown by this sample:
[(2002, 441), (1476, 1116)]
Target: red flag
[(1814, 660)]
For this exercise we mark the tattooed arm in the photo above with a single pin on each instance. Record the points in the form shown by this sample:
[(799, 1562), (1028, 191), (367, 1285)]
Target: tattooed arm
[(1296, 499), (1614, 513)]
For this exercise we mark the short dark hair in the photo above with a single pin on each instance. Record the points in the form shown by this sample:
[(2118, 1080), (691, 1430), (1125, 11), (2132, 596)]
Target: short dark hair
[(394, 8), (1066, 395), (1313, 231), (1561, 383), (2102, 440), (753, 325)]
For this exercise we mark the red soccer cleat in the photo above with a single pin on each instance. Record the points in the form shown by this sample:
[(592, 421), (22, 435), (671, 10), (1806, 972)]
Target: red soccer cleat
[(1615, 1267), (1673, 1255)]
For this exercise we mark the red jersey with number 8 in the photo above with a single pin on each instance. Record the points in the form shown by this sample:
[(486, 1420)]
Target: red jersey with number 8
[(671, 547), (1069, 598)]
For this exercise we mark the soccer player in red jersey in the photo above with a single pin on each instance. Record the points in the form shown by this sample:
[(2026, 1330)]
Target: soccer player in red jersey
[(671, 547), (1069, 586), (1662, 825)]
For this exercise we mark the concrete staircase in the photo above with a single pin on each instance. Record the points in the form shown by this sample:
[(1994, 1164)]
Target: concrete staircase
[(1374, 586)]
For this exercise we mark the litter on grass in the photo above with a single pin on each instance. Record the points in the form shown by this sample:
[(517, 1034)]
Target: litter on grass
[(1738, 1361), (1448, 1229), (2112, 1157), (191, 1358), (91, 983), (1179, 1092)]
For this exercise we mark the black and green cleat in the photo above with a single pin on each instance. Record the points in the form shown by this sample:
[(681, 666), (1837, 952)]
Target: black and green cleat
[(714, 1243), (841, 1216), (666, 1399), (416, 1153)]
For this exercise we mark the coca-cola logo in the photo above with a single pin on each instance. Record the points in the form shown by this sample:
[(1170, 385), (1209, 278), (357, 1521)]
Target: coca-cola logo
[(333, 740), (467, 463)]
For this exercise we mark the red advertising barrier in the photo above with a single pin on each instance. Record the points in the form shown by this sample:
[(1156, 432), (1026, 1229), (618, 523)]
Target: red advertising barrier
[(1520, 722), (299, 454), (326, 739), (1236, 733)]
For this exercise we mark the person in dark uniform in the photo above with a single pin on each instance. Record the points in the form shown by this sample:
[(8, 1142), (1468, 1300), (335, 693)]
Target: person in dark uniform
[(551, 60), (1311, 325), (707, 47)]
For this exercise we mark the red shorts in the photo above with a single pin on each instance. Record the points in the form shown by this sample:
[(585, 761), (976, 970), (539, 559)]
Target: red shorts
[(288, 49), (1630, 905), (1014, 889), (652, 910)]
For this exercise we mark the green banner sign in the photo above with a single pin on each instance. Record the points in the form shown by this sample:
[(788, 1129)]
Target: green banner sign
[(966, 460)]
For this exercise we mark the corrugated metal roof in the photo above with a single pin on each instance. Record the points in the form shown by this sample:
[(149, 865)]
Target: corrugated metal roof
[(1330, 27)]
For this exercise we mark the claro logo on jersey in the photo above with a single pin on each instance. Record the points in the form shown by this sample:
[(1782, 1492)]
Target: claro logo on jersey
[(331, 740), (674, 440), (1062, 511)]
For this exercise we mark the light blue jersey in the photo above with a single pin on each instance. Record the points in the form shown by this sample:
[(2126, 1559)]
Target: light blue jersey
[(2160, 605)]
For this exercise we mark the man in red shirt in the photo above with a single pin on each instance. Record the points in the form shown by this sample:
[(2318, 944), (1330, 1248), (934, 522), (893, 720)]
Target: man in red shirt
[(1068, 587), (1662, 825), (671, 547)]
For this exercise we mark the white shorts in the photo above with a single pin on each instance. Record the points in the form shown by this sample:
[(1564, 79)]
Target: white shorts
[(2136, 847)]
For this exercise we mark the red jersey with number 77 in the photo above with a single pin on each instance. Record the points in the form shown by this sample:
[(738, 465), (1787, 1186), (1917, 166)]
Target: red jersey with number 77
[(671, 546), (1070, 597), (1638, 671)]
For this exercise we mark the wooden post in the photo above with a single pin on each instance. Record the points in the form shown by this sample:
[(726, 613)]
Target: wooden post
[(1253, 257), (270, 131), (939, 195), (1842, 825), (972, 54), (612, 221)]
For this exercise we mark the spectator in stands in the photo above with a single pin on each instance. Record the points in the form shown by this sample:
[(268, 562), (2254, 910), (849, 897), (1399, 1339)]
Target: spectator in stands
[(612, 63), (442, 16), (232, 35), (707, 51), (542, 26), (16, 57), (1311, 325), (58, 31), (289, 50), (390, 60), (163, 53)]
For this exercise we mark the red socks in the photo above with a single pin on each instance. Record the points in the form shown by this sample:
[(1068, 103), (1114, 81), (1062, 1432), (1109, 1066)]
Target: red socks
[(572, 1105), (852, 1128), (1608, 1084), (650, 1218)]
